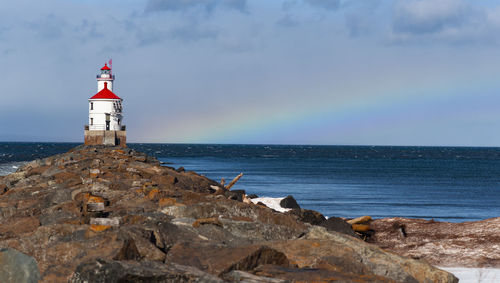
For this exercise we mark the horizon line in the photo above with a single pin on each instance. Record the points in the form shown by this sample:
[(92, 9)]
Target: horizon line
[(267, 144)]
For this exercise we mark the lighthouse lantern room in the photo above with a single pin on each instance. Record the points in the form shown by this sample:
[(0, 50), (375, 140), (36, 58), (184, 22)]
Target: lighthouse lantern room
[(105, 113)]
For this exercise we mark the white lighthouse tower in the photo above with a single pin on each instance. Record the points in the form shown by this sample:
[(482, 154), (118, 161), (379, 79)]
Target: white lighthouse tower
[(105, 113), (105, 77)]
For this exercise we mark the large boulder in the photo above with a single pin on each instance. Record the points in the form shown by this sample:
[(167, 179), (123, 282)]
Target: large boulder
[(338, 224), (289, 202), (308, 216), (219, 260), (471, 244), (112, 271), (18, 267)]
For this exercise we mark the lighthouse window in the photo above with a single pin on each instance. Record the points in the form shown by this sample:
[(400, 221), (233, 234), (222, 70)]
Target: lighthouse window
[(91, 105), (91, 121)]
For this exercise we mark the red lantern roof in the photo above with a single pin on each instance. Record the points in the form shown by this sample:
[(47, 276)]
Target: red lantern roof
[(105, 93), (105, 68)]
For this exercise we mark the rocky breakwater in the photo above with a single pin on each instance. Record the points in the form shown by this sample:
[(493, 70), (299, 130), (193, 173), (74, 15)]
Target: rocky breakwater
[(468, 244), (108, 214)]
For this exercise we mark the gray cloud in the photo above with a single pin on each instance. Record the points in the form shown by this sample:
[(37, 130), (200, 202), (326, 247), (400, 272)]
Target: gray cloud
[(287, 21), (49, 27), (207, 5), (362, 16), (430, 16), (325, 4), (444, 21), (192, 33)]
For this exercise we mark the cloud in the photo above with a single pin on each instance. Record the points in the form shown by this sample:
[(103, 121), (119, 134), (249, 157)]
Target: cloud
[(325, 4), (430, 16), (183, 5), (445, 21), (287, 21), (49, 27), (363, 16), (193, 33)]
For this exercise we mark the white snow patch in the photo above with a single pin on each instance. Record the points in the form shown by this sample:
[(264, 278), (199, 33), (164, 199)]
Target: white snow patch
[(474, 275), (273, 203)]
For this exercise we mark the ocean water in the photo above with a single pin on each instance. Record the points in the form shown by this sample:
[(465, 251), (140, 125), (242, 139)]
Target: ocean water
[(443, 183)]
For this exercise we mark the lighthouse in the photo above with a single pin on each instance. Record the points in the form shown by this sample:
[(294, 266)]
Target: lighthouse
[(105, 113), (105, 77)]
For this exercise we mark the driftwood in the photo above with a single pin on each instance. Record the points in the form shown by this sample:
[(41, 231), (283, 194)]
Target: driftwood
[(360, 220), (228, 187), (362, 228)]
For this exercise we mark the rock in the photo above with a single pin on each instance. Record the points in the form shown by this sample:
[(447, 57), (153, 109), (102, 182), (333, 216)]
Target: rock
[(203, 221), (94, 173), (115, 221), (18, 267), (242, 276), (95, 206), (136, 221), (219, 260), (19, 225), (247, 200), (235, 195), (470, 244), (289, 202), (111, 271), (128, 251), (253, 196), (292, 274), (338, 224), (355, 256), (308, 216)]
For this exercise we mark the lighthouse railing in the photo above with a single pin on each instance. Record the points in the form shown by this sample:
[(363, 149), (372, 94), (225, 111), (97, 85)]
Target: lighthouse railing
[(103, 127)]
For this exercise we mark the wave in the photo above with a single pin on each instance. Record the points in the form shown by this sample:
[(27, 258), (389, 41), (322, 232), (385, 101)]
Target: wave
[(10, 167)]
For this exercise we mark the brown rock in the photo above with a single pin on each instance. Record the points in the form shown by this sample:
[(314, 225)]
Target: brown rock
[(469, 244), (134, 215), (167, 202), (203, 221), (291, 274), (219, 260), (308, 216), (15, 226)]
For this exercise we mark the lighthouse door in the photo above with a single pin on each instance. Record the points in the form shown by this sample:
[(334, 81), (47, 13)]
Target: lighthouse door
[(107, 121)]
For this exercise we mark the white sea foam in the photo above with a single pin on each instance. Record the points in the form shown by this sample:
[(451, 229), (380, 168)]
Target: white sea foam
[(10, 167), (273, 203), (474, 275)]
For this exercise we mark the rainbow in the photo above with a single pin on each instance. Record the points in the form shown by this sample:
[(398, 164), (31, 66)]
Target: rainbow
[(327, 117)]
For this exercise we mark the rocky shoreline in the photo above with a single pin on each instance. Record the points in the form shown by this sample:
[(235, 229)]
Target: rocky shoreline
[(468, 244), (109, 214)]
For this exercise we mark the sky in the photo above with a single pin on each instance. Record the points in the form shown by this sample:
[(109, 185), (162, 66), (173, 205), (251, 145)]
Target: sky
[(331, 72)]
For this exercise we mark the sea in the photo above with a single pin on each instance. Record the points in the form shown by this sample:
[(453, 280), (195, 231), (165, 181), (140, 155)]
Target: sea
[(454, 184)]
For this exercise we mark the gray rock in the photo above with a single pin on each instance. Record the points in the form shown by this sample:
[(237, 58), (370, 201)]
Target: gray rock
[(289, 202), (17, 267), (60, 196), (108, 271), (338, 224), (115, 221), (242, 276)]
